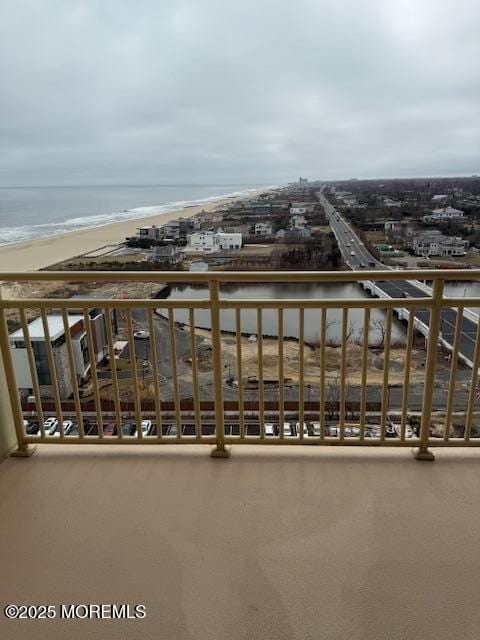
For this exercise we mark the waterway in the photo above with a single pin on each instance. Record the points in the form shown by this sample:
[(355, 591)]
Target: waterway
[(312, 317), (291, 316)]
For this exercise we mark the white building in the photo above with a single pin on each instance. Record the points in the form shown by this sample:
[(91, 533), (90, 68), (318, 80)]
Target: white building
[(434, 243), (263, 229), (229, 241), (203, 241), (298, 210), (443, 213), (56, 331)]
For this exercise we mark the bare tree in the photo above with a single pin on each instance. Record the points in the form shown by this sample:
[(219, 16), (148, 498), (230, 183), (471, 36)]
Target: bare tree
[(380, 326)]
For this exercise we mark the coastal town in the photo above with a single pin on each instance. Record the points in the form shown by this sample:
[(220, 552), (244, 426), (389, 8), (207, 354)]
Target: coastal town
[(288, 228)]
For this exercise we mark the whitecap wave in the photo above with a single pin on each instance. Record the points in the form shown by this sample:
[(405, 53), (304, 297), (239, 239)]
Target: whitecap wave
[(24, 233)]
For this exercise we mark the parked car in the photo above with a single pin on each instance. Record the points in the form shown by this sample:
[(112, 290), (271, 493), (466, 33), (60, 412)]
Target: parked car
[(146, 427), (32, 429), (72, 430), (141, 335), (288, 429), (269, 429), (109, 429), (129, 428)]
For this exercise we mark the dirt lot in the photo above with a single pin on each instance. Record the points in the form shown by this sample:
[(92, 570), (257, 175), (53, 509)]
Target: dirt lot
[(291, 362)]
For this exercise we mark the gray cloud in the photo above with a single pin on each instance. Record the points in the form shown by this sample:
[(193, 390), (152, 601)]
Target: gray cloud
[(227, 91)]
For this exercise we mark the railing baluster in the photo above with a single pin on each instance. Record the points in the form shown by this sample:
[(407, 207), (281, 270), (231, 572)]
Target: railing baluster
[(133, 365), (93, 371), (323, 339), (241, 412), (173, 354), (73, 375), (281, 378), (156, 387), (261, 394), (301, 372), (107, 318), (219, 451), (406, 373), (343, 372), (33, 372), (433, 332), (453, 374), (473, 386), (53, 372), (363, 388), (386, 371), (196, 392)]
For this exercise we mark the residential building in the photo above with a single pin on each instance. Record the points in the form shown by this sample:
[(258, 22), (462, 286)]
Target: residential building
[(167, 254), (178, 229), (443, 214), (151, 232), (204, 241), (434, 243), (229, 241), (300, 209), (297, 220), (263, 229), (56, 332)]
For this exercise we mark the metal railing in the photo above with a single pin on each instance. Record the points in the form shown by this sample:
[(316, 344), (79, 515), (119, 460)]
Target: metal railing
[(173, 407)]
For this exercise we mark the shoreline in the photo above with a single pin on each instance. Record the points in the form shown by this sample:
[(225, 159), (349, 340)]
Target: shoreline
[(32, 255)]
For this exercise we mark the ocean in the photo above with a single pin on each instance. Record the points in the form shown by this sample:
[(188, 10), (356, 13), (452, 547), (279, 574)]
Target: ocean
[(27, 213)]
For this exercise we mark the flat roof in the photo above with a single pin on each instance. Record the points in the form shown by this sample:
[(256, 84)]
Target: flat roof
[(55, 327)]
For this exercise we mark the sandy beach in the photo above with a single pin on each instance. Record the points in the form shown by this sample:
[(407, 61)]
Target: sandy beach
[(36, 254)]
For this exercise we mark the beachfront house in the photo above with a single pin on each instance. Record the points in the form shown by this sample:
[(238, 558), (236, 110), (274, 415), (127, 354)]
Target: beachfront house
[(168, 255), (202, 241), (263, 229), (150, 232), (212, 241), (178, 229)]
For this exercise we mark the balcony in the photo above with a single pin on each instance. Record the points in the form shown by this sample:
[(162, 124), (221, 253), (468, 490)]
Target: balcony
[(395, 371), (341, 534)]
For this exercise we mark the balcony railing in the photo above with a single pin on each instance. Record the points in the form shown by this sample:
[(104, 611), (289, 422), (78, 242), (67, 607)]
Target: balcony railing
[(321, 393)]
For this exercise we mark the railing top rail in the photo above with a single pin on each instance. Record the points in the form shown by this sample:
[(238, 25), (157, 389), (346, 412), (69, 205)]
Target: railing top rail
[(239, 276)]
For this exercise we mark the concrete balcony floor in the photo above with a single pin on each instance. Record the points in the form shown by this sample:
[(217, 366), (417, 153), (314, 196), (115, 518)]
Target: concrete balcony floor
[(276, 542)]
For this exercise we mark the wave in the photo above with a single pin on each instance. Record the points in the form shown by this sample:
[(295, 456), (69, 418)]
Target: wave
[(24, 233)]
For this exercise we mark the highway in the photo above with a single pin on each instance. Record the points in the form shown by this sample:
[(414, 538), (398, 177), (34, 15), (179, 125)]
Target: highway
[(357, 257)]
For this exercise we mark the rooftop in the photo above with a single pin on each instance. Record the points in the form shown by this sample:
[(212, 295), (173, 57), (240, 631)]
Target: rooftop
[(55, 327), (273, 543)]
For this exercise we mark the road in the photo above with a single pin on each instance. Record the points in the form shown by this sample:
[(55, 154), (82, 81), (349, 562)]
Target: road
[(349, 242)]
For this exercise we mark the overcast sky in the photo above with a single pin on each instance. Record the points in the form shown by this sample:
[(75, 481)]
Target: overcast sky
[(235, 91)]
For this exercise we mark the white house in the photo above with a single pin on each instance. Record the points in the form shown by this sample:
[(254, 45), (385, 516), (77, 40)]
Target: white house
[(443, 213), (203, 241), (263, 229), (298, 210), (229, 241)]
